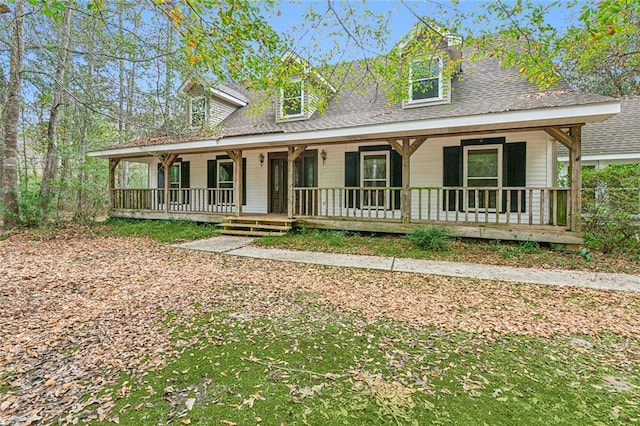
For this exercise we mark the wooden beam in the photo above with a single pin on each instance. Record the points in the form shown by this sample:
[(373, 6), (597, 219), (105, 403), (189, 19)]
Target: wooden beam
[(233, 154), (236, 156), (405, 193), (417, 143), (575, 154), (113, 163), (293, 152), (167, 161), (395, 144), (559, 135)]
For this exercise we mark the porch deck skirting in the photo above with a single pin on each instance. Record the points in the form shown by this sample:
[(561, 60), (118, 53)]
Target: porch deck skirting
[(515, 213)]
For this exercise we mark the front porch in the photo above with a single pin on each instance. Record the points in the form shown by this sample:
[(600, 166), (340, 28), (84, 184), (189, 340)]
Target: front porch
[(511, 213)]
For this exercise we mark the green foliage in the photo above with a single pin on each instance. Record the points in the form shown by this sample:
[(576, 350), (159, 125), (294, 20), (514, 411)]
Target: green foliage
[(332, 369), (432, 238), (164, 231), (611, 208)]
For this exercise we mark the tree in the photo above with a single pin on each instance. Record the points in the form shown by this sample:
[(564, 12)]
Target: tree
[(14, 92)]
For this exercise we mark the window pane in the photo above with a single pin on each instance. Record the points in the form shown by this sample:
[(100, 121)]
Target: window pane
[(225, 172), (174, 172), (482, 163), (426, 89), (198, 106), (375, 167), (292, 98), (425, 69)]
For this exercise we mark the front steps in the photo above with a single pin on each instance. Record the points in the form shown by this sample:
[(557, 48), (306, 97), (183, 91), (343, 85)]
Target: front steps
[(256, 226)]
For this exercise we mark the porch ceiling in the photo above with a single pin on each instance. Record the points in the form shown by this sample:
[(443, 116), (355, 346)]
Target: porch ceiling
[(513, 121)]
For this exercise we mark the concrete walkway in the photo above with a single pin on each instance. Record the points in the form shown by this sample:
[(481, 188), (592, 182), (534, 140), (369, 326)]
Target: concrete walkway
[(240, 246)]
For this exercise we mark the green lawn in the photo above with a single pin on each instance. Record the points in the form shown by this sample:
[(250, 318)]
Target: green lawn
[(164, 231), (327, 368), (523, 254)]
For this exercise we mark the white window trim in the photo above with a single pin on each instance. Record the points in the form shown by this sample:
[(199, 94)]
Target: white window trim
[(363, 154), (285, 116), (440, 85), (465, 170), (204, 113), (233, 183)]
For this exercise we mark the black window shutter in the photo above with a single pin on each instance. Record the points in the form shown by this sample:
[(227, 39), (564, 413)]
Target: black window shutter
[(352, 177), (514, 173), (212, 179), (185, 176), (160, 175), (244, 181), (396, 177), (452, 176)]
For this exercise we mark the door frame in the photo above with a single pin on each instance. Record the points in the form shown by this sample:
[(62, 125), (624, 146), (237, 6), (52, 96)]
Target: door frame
[(276, 156)]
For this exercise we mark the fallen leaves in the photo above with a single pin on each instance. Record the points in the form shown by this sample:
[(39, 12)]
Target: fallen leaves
[(78, 312)]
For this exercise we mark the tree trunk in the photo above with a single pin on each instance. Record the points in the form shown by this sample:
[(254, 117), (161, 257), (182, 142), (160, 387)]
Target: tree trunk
[(14, 96), (3, 103), (51, 159)]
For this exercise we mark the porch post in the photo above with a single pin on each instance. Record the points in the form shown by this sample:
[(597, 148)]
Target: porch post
[(293, 152), (113, 163), (237, 168), (406, 150), (167, 161), (575, 154)]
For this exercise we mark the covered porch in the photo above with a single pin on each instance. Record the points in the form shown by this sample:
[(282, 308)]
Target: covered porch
[(544, 213)]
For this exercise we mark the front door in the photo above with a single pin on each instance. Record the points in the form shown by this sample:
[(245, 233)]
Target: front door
[(278, 183), (305, 175)]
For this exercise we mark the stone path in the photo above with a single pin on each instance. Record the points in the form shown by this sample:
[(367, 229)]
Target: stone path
[(240, 246)]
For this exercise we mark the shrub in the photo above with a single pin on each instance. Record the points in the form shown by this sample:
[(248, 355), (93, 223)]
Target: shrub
[(433, 238), (611, 208)]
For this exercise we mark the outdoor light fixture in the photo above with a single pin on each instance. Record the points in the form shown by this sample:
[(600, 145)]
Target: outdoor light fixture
[(261, 158), (323, 155)]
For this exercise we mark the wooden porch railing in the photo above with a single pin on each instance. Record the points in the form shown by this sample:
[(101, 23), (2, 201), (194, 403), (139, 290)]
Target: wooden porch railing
[(508, 205), (197, 200)]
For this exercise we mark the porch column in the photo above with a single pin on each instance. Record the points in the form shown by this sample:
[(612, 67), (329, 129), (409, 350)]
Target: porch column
[(405, 147), (573, 141), (167, 161), (575, 161), (293, 152), (236, 156), (113, 163)]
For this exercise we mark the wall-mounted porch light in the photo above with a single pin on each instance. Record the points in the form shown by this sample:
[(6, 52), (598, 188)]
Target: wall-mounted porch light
[(323, 155), (261, 158)]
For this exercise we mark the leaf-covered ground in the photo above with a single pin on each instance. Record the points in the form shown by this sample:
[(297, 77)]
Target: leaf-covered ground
[(79, 312)]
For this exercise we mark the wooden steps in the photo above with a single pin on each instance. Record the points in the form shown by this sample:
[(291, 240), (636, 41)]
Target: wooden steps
[(256, 226)]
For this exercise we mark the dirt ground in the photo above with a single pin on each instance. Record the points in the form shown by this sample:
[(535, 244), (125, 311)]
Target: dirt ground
[(77, 311)]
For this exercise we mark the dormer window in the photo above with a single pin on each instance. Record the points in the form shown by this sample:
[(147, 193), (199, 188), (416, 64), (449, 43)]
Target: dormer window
[(426, 80), (198, 111), (291, 99)]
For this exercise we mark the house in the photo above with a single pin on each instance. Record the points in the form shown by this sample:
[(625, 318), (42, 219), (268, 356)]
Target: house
[(474, 152), (613, 141)]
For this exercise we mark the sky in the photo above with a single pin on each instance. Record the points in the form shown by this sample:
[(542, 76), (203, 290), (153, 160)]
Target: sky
[(401, 19)]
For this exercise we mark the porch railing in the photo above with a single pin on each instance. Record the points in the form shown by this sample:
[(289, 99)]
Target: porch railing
[(197, 200), (541, 206), (507, 205)]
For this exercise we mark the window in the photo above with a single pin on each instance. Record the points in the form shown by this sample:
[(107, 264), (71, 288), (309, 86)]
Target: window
[(375, 174), (483, 165), (198, 110), (292, 97), (174, 175), (225, 174), (426, 81)]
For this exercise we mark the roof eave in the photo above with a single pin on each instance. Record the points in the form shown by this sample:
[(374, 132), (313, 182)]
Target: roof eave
[(508, 120)]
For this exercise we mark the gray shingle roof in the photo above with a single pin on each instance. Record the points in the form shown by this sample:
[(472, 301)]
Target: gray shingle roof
[(619, 134), (483, 88)]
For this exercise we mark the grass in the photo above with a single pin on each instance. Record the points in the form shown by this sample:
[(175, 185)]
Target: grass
[(523, 254), (164, 231), (320, 367)]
